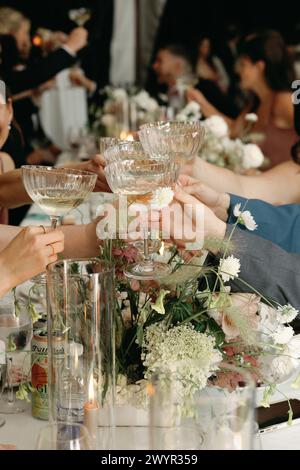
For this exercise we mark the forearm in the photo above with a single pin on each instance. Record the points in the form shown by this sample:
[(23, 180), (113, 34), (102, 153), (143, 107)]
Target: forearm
[(6, 282), (7, 233), (80, 241), (220, 179), (12, 191)]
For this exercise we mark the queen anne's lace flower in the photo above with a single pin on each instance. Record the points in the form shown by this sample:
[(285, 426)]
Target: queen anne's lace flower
[(229, 268), (161, 198), (286, 314), (244, 218), (181, 344)]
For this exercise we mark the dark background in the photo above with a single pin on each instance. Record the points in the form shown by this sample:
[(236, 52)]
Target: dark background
[(183, 16), (183, 22)]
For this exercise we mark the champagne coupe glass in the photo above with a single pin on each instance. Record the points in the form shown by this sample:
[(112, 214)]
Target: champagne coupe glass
[(80, 16), (64, 436), (57, 191), (181, 141), (107, 142), (15, 331), (133, 173)]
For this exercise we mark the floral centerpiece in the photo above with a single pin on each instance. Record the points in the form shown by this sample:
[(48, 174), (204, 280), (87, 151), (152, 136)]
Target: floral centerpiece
[(193, 315), (123, 111), (221, 150)]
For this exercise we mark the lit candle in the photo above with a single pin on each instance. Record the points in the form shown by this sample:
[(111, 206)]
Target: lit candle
[(126, 136), (91, 412), (162, 249)]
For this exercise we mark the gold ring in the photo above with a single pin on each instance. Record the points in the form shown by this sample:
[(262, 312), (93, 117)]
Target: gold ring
[(43, 229), (53, 250)]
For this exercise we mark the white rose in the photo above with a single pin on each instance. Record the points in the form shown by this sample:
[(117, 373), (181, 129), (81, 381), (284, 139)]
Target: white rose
[(253, 156), (193, 107), (217, 126), (251, 117), (119, 94)]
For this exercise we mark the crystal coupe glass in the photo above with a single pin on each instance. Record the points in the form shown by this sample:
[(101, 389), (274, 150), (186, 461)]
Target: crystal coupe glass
[(135, 174), (57, 190), (181, 141)]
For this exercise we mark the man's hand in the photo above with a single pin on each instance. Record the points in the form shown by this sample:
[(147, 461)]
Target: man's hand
[(77, 39)]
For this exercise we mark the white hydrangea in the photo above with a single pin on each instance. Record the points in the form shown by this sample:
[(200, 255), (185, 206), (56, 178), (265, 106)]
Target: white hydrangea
[(229, 268), (161, 198), (218, 126), (244, 218), (253, 156), (286, 314)]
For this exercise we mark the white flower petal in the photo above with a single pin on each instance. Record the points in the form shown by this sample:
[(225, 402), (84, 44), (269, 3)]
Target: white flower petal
[(161, 198), (229, 268)]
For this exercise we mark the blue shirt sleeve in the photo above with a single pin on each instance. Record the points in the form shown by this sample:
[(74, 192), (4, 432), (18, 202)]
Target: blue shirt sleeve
[(279, 224)]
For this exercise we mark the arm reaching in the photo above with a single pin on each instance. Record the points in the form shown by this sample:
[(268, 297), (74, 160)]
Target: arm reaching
[(280, 185)]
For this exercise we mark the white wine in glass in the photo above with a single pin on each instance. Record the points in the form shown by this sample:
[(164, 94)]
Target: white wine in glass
[(57, 190), (137, 176)]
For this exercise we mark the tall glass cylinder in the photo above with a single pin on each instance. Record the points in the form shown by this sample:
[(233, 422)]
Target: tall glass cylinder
[(81, 341), (185, 415)]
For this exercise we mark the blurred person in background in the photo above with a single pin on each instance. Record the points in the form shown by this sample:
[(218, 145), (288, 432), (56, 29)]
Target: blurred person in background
[(28, 78), (209, 66), (174, 63), (266, 72)]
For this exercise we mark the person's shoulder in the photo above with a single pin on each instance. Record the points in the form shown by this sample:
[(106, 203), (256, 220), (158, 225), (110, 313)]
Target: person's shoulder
[(284, 108)]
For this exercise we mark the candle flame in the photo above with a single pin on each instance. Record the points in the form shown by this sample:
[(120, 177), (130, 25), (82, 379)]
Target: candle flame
[(91, 389), (126, 136), (150, 390), (162, 249)]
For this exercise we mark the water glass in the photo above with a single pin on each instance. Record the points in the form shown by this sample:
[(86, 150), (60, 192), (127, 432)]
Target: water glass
[(64, 436)]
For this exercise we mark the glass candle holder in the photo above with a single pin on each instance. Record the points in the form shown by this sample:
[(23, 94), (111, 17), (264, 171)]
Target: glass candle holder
[(81, 342)]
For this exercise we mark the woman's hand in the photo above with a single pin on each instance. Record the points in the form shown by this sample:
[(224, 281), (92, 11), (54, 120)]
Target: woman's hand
[(187, 221), (218, 202), (28, 254)]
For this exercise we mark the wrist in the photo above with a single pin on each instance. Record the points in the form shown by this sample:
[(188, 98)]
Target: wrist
[(6, 282), (70, 48), (224, 205)]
